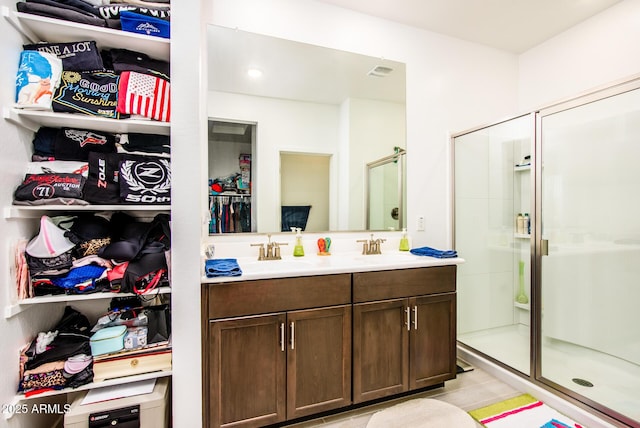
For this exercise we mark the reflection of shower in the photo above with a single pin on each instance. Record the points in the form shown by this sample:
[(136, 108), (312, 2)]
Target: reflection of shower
[(386, 202)]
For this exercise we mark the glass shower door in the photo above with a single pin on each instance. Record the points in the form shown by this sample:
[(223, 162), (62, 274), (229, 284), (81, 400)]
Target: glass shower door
[(493, 181), (590, 276)]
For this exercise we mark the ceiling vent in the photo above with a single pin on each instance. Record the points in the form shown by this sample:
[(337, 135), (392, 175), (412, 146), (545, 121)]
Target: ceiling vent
[(380, 71)]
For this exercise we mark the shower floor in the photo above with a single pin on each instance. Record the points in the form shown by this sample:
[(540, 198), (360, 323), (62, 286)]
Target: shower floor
[(616, 383)]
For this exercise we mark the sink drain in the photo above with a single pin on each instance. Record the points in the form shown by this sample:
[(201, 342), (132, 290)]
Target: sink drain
[(582, 382)]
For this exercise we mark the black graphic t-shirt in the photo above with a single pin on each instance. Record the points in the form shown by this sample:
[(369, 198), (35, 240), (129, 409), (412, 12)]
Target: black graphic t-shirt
[(91, 93), (48, 186), (75, 56), (76, 144), (145, 180)]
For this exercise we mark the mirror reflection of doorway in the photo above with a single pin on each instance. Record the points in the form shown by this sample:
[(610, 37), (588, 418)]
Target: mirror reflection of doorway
[(304, 182), (386, 201)]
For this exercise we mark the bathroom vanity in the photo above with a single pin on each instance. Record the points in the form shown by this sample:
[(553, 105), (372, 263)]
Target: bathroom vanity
[(293, 338)]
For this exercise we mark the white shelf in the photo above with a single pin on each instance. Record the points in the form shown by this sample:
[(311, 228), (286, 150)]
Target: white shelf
[(34, 119), (518, 168), (92, 296), (36, 211), (522, 235), (40, 28), (24, 304), (102, 384), (524, 306)]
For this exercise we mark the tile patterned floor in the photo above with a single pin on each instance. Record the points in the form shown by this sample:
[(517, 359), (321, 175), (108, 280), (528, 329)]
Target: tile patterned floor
[(469, 391)]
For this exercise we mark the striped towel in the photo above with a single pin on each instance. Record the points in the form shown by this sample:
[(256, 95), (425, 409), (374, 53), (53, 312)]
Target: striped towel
[(523, 411)]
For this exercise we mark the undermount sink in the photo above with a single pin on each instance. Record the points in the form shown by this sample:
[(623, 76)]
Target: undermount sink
[(274, 265), (386, 258)]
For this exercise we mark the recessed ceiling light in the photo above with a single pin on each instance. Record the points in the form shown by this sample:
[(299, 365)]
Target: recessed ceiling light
[(254, 73)]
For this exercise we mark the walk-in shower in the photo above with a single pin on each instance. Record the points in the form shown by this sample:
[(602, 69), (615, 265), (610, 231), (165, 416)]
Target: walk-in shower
[(556, 302), (386, 192)]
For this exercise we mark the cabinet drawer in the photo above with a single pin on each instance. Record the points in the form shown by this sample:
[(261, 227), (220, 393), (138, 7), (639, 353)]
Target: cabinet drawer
[(262, 296), (392, 284)]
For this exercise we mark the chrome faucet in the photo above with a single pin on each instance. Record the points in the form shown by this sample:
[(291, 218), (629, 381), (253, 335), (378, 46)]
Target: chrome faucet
[(272, 250), (371, 246)]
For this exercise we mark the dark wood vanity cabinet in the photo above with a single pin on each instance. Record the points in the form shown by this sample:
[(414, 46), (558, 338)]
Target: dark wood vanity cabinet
[(291, 362), (280, 349), (403, 330)]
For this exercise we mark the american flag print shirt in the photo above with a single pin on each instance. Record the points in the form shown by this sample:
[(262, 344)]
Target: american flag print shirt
[(145, 95)]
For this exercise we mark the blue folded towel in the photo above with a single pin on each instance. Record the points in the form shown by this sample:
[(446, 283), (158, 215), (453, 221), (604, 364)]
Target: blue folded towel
[(432, 252), (221, 267)]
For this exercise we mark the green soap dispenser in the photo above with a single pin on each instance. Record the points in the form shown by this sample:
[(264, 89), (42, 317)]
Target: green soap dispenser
[(298, 249), (404, 241)]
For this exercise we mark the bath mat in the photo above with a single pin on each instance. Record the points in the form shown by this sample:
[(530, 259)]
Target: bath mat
[(421, 413), (523, 411)]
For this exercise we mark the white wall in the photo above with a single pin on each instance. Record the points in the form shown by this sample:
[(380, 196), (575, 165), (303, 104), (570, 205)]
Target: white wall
[(451, 85), (600, 50)]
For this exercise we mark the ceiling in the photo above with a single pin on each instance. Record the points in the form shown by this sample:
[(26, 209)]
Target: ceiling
[(511, 25), (299, 71)]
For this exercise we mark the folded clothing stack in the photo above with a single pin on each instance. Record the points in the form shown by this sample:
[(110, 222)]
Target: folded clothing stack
[(221, 267), (432, 252)]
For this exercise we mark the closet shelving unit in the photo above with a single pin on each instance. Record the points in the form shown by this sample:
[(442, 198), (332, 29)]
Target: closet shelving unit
[(37, 28)]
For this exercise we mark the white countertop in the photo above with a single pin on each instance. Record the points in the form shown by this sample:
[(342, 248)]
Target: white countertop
[(314, 264)]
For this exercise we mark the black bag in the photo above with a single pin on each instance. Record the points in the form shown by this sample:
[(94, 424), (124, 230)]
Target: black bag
[(145, 274)]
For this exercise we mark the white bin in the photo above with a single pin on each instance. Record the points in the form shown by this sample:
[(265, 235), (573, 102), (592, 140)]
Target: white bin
[(153, 409)]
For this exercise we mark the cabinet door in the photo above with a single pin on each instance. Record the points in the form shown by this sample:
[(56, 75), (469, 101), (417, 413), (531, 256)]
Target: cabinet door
[(247, 371), (318, 360), (432, 340), (380, 349)]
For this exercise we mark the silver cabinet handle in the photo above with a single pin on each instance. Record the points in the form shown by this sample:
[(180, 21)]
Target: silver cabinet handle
[(415, 317), (293, 334), (407, 310), (282, 336)]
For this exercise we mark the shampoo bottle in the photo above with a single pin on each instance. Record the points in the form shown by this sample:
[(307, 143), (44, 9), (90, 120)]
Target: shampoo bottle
[(298, 249), (404, 241)]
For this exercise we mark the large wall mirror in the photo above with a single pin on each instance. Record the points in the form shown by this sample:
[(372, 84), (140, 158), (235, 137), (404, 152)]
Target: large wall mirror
[(292, 130)]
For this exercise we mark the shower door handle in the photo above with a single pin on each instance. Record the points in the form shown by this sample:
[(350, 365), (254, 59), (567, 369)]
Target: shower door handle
[(544, 247)]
